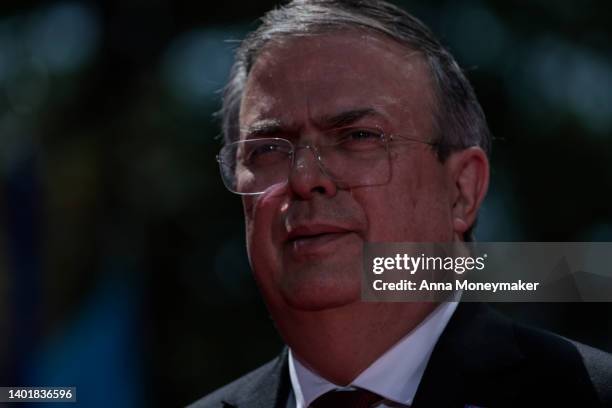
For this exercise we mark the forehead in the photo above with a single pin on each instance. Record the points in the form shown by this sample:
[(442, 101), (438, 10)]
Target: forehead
[(301, 79)]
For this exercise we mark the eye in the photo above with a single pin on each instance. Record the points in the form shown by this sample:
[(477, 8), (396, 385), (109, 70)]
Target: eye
[(358, 139), (262, 152), (363, 134)]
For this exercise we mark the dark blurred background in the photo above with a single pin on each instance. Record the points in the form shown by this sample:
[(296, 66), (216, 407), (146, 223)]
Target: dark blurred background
[(122, 262)]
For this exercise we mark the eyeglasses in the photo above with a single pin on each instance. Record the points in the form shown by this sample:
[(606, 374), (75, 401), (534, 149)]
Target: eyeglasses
[(352, 157)]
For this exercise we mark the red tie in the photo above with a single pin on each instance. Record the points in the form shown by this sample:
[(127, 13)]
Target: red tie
[(357, 398)]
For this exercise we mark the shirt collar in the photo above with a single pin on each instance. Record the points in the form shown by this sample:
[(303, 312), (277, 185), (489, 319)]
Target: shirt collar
[(407, 360)]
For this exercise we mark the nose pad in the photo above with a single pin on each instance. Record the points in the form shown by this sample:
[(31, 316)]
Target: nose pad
[(301, 160), (307, 177)]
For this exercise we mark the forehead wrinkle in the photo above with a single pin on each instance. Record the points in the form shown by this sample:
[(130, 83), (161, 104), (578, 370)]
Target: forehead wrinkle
[(325, 121)]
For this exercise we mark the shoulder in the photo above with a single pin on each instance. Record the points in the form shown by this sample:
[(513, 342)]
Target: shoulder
[(559, 361), (265, 382), (549, 367), (499, 362), (228, 393)]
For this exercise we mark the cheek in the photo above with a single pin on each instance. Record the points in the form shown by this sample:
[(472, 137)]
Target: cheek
[(411, 208), (263, 228)]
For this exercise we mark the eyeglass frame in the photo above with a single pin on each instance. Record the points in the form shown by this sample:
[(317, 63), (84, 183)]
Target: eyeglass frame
[(314, 148)]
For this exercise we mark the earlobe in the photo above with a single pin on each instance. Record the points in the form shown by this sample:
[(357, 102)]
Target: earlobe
[(469, 171), (460, 226)]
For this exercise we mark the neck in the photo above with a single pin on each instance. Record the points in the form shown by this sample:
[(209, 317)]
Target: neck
[(340, 343)]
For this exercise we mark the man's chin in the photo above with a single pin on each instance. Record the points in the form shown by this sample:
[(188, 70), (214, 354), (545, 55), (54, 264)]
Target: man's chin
[(316, 296)]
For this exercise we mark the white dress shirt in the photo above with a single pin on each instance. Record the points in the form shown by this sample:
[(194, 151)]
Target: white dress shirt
[(395, 375)]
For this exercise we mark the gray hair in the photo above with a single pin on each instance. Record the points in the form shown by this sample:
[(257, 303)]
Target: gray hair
[(458, 118)]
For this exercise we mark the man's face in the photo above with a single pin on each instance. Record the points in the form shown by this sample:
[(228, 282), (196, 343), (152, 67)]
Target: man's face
[(305, 238)]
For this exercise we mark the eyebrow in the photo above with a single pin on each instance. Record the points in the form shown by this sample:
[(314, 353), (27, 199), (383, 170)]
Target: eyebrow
[(264, 127), (270, 127), (346, 118)]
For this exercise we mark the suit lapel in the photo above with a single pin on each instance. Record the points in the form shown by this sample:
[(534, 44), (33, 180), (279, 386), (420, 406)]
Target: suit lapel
[(270, 389), (471, 362)]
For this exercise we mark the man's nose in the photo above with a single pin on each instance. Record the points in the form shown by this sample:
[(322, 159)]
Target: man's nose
[(308, 175)]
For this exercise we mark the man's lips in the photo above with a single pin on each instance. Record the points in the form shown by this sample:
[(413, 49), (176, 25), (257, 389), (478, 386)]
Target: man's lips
[(313, 238), (314, 231)]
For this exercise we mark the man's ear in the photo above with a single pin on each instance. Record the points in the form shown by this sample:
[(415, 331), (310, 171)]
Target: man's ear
[(469, 176)]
